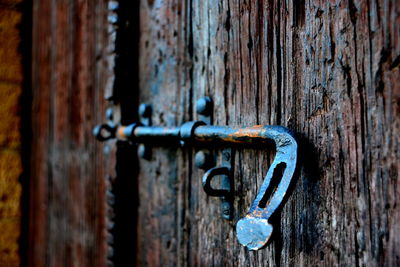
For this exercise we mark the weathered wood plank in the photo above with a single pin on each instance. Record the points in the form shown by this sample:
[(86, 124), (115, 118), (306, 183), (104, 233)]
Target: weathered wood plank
[(163, 228), (68, 168)]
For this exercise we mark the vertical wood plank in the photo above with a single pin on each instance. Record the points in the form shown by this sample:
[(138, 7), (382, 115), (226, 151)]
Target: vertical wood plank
[(68, 168)]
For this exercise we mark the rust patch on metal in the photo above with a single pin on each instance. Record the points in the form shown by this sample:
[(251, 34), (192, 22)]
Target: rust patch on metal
[(252, 132), (121, 132)]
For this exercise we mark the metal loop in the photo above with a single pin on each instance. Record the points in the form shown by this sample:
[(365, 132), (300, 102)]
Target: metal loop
[(187, 129), (99, 130), (207, 177)]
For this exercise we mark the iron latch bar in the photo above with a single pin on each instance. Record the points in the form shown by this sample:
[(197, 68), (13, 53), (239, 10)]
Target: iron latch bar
[(253, 230)]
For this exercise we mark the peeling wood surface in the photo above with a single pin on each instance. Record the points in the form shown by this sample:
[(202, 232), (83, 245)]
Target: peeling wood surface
[(70, 71), (328, 70)]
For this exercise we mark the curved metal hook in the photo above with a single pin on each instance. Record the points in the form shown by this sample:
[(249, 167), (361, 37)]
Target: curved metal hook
[(254, 231), (207, 177), (225, 194)]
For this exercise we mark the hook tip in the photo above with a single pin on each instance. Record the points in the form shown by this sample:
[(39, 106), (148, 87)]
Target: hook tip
[(253, 233)]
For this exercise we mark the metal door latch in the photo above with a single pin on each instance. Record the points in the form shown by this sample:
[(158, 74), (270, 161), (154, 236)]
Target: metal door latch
[(253, 230)]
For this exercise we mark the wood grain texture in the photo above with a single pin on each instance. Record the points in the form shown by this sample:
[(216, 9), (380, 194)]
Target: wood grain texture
[(70, 72), (329, 70)]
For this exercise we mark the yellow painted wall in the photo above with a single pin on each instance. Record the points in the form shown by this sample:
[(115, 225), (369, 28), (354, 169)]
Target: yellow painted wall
[(10, 139)]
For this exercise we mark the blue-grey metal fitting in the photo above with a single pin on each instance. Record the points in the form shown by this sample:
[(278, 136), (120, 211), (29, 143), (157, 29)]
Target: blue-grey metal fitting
[(253, 231)]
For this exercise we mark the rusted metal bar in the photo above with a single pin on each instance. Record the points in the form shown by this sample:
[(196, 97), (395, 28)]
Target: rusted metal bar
[(257, 134)]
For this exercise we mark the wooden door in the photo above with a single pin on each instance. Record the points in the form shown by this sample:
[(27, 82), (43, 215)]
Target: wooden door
[(329, 71)]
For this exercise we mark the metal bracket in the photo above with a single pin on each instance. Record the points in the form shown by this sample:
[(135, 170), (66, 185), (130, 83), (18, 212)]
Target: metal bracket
[(204, 108), (225, 193), (204, 160), (145, 112), (253, 231)]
